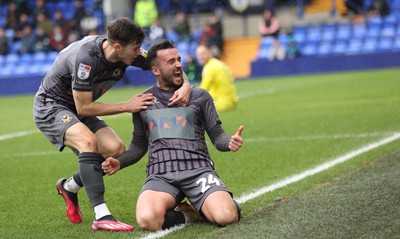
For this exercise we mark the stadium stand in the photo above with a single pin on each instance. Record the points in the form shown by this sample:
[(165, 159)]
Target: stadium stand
[(247, 56)]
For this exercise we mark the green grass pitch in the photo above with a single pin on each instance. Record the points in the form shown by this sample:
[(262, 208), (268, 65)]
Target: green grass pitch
[(292, 124)]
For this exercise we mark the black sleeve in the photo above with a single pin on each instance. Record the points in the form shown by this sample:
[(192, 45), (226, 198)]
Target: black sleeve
[(219, 138), (140, 62), (138, 146)]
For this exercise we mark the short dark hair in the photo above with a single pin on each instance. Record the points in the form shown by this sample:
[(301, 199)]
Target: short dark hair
[(152, 53), (125, 31)]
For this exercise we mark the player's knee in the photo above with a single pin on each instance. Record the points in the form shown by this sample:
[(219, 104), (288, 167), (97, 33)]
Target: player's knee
[(87, 143), (149, 220), (114, 149), (227, 217)]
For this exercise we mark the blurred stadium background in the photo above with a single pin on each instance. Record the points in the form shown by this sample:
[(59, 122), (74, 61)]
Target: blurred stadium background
[(329, 38)]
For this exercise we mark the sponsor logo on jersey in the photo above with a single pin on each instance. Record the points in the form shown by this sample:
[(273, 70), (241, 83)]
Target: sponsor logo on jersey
[(117, 73), (171, 123), (84, 71), (66, 118), (143, 52)]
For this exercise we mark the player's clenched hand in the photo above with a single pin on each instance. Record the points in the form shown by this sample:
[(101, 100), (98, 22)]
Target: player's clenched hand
[(181, 96), (110, 166), (236, 140), (140, 102)]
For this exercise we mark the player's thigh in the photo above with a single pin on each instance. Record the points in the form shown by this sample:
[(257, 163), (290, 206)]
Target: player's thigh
[(79, 137), (109, 143)]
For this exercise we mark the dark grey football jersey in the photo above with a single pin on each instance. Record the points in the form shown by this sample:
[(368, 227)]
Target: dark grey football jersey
[(81, 66), (176, 135)]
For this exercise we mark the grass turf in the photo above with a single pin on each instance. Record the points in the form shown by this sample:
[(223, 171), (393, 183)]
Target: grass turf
[(291, 125)]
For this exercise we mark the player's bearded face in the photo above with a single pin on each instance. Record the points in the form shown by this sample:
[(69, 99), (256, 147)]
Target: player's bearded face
[(171, 68)]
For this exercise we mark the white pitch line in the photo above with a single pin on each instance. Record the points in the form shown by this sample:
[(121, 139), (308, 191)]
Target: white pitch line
[(318, 169), (256, 93), (319, 137), (297, 177), (18, 134), (162, 233)]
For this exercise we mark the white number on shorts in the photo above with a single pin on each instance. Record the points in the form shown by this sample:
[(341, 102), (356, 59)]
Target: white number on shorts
[(206, 185)]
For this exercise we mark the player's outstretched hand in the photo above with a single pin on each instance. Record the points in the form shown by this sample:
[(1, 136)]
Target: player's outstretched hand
[(110, 166), (236, 140), (140, 102)]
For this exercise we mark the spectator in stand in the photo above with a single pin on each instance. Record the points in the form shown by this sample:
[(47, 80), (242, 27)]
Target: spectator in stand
[(215, 23), (354, 7), (12, 17), (59, 19), (43, 21), (157, 32), (39, 8), (42, 41), (73, 36), (4, 48), (379, 8), (145, 14), (207, 37), (28, 40), (292, 50), (192, 69), (269, 27), (88, 23), (182, 27), (23, 21), (79, 13), (58, 38)]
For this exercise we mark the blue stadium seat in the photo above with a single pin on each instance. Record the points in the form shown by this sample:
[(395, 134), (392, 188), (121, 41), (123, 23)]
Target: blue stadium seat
[(354, 46), (263, 53), (25, 59), (7, 71), (385, 44), (388, 31), (325, 48), (373, 31), (88, 4), (375, 21), (21, 70), (309, 49), (2, 60), (12, 59), (359, 31), (35, 69), (51, 56), (39, 57), (343, 32), (370, 45), (14, 46), (339, 47), (328, 34), (396, 44), (171, 35), (299, 34), (314, 34), (266, 42), (390, 19), (183, 46)]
